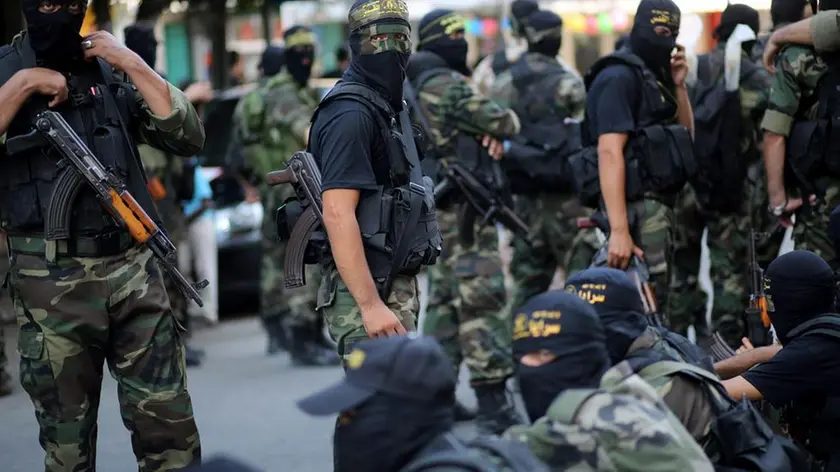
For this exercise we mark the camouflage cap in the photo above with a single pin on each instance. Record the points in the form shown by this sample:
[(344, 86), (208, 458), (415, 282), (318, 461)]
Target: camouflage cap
[(364, 13), (386, 18)]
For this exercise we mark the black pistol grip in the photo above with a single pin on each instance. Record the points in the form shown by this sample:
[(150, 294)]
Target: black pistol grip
[(293, 266), (59, 214)]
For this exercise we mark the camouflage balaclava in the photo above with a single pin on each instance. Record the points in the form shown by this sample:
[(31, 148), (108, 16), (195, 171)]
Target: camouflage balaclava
[(544, 33), (519, 11), (653, 49), (272, 61), (55, 36), (434, 36), (141, 40), (299, 42), (378, 58)]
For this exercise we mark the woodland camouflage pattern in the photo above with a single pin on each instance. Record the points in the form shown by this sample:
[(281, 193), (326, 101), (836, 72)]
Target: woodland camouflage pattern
[(342, 315), (67, 312), (793, 98), (273, 121), (728, 235), (467, 294), (558, 243), (621, 426)]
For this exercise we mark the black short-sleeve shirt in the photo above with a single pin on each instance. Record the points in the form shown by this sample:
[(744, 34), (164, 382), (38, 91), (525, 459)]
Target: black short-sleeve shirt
[(610, 101), (806, 366), (349, 147)]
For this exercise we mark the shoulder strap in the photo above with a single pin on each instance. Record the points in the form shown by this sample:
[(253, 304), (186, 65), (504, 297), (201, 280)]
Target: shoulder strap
[(517, 456), (830, 321), (716, 392), (362, 94)]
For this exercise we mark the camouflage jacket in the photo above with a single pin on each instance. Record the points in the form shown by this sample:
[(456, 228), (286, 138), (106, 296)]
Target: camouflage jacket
[(569, 100), (272, 122), (163, 167), (621, 426), (793, 91), (754, 93), (483, 75), (825, 31)]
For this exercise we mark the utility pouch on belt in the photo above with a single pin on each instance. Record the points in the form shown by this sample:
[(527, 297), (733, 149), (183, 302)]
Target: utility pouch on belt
[(667, 156), (583, 166)]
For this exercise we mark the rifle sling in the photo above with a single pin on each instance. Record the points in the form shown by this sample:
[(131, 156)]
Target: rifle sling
[(307, 223), (417, 192)]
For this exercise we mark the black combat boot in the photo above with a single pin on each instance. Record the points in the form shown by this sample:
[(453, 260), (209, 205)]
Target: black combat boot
[(278, 334), (306, 351), (462, 413), (5, 384), (193, 357), (496, 412)]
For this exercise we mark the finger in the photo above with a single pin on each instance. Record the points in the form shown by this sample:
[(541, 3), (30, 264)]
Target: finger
[(625, 261), (812, 199), (638, 252), (746, 342), (485, 141), (401, 329)]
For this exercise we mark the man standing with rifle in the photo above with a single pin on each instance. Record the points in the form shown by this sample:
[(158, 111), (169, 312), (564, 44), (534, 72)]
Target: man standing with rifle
[(84, 291), (467, 295)]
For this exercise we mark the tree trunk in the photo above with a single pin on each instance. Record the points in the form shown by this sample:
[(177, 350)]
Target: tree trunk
[(11, 19)]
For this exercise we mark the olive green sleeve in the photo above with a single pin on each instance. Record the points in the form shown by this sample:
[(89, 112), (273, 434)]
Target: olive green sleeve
[(471, 112), (825, 31), (180, 133)]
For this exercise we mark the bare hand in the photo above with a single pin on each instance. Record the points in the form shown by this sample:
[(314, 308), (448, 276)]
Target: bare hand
[(50, 83), (679, 66), (746, 346), (381, 322), (495, 148), (620, 248), (771, 49), (199, 92), (791, 205), (105, 46), (252, 195)]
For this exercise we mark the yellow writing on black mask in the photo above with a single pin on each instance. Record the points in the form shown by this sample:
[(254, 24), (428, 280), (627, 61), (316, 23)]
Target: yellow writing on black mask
[(542, 326)]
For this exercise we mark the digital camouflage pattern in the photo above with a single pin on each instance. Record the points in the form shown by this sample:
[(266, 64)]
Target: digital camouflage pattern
[(467, 293), (273, 121), (342, 315), (793, 98), (622, 426), (558, 243), (728, 232), (74, 314)]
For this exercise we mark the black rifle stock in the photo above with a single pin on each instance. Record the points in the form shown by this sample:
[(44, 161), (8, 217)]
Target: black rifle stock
[(303, 171), (81, 165)]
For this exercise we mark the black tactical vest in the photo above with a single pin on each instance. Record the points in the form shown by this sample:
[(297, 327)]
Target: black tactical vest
[(659, 153), (398, 224), (33, 196)]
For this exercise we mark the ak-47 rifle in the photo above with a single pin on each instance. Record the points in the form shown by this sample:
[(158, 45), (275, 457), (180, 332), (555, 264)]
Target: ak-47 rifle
[(757, 318), (302, 171), (112, 194), (638, 269)]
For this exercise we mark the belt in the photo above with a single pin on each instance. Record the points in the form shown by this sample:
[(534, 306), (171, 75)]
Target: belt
[(100, 246)]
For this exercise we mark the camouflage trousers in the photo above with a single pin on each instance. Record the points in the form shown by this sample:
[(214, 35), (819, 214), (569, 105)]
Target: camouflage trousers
[(296, 305), (811, 229), (466, 305), (767, 248), (76, 313), (343, 317), (557, 243), (728, 243)]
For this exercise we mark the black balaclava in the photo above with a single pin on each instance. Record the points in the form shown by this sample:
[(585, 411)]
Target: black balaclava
[(544, 33), (55, 36), (655, 50), (299, 43), (568, 327), (519, 11), (272, 61), (799, 286), (734, 15), (379, 64), (386, 432), (783, 12), (434, 36), (619, 306), (141, 40)]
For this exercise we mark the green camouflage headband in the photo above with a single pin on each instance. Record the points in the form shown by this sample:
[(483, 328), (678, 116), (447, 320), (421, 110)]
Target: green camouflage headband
[(390, 43), (375, 11), (533, 36)]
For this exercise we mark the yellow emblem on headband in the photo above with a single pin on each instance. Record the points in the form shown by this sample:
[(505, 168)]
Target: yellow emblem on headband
[(356, 359), (452, 23), (376, 10), (300, 38), (665, 18), (541, 325)]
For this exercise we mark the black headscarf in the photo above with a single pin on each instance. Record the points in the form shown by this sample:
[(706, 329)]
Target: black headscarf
[(544, 33), (299, 42), (655, 50), (434, 36), (618, 304), (382, 65), (799, 286), (734, 15), (566, 326), (55, 36), (519, 11), (141, 40), (272, 61)]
